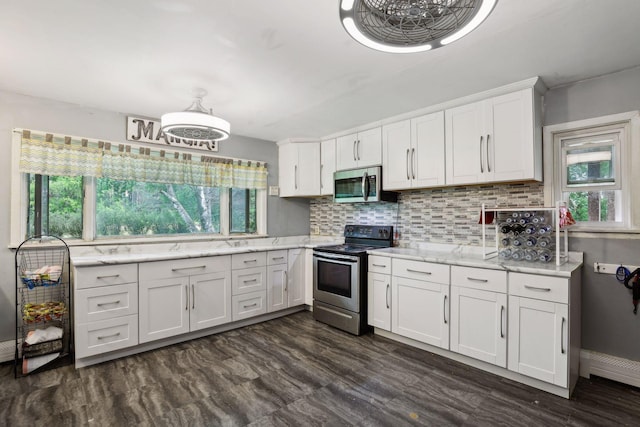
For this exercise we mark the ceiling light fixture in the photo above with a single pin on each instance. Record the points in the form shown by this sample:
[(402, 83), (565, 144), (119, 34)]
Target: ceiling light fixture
[(407, 26), (195, 123)]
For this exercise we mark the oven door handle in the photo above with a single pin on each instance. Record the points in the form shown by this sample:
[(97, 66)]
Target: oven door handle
[(346, 259)]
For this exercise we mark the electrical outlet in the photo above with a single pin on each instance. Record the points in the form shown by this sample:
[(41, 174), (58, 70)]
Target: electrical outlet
[(274, 190), (316, 229)]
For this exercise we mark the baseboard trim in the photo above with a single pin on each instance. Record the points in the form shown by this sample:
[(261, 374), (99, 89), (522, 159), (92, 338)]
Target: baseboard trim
[(611, 367)]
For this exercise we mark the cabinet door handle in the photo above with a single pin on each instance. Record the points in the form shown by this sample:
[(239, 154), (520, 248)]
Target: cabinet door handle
[(488, 158), (186, 292), (481, 165), (413, 169), (286, 280), (535, 288), (100, 304), (107, 277), (562, 349), (502, 321), (193, 296), (354, 150), (255, 304), (295, 177), (428, 273), (444, 309), (358, 149), (408, 177), (387, 297), (474, 279), (188, 268), (102, 337)]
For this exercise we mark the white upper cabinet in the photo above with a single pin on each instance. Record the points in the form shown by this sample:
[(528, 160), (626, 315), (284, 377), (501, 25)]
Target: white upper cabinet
[(494, 140), (299, 169), (327, 166), (359, 150), (413, 153)]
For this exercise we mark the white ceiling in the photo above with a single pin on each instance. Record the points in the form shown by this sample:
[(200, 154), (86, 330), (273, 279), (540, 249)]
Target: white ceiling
[(286, 68)]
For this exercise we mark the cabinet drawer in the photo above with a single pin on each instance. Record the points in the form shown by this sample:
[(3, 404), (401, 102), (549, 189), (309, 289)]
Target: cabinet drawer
[(106, 302), (534, 286), (106, 335), (436, 273), (379, 264), (276, 257), (479, 278), (91, 277), (251, 259), (184, 267), (249, 305), (248, 280)]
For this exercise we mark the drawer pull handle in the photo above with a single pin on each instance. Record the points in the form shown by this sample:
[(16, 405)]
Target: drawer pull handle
[(250, 281), (117, 334), (379, 265), (535, 288), (247, 261), (473, 279), (277, 257), (428, 273), (188, 268), (100, 304), (255, 304), (107, 277)]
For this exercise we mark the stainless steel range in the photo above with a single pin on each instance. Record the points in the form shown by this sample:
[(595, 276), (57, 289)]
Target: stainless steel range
[(340, 277)]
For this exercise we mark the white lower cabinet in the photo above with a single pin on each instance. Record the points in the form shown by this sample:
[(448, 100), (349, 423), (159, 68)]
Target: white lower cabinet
[(379, 301), (296, 277), (184, 301), (420, 310), (105, 308), (479, 314), (544, 329), (249, 305), (249, 285), (277, 271)]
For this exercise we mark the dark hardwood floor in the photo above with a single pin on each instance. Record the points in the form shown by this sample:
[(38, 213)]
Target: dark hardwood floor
[(298, 372)]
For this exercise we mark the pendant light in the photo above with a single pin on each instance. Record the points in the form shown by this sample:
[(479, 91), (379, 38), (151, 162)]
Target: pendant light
[(195, 123), (406, 26)]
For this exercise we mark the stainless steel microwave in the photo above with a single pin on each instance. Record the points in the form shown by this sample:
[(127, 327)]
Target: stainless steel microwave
[(361, 185)]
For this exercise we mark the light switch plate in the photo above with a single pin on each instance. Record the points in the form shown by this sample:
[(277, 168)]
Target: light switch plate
[(274, 190)]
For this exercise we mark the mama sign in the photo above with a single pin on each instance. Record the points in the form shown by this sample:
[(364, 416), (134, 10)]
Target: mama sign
[(145, 130)]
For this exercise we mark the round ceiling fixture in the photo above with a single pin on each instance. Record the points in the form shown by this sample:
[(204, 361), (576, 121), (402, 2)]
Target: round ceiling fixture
[(195, 123), (406, 26)]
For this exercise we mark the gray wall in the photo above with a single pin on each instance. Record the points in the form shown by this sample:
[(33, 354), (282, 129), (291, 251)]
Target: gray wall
[(608, 323), (285, 217)]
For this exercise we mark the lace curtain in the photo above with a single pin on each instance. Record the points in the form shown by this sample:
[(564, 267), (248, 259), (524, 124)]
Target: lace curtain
[(65, 156)]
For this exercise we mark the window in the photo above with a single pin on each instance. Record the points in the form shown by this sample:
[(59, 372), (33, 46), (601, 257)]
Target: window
[(73, 201), (588, 162)]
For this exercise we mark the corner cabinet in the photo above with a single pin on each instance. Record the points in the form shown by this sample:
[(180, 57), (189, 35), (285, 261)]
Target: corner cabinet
[(413, 153), (359, 150), (495, 140), (179, 296), (299, 169)]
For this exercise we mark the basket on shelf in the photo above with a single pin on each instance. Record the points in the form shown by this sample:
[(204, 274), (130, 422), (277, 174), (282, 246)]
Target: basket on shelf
[(44, 312), (42, 268)]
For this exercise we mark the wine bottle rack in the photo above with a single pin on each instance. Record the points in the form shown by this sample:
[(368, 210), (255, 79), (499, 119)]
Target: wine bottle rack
[(528, 235)]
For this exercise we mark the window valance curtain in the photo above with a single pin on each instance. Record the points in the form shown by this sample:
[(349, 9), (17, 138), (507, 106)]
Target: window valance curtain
[(66, 156)]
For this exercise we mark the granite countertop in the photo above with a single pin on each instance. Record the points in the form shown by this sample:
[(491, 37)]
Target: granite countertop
[(474, 258), (125, 254)]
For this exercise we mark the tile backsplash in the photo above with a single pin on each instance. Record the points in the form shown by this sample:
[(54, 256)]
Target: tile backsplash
[(442, 215)]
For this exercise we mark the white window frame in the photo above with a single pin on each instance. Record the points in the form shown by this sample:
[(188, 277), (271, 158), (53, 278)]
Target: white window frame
[(19, 208), (628, 124)]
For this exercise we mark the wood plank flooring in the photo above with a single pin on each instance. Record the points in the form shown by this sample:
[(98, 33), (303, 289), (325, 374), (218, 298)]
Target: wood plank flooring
[(295, 371)]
